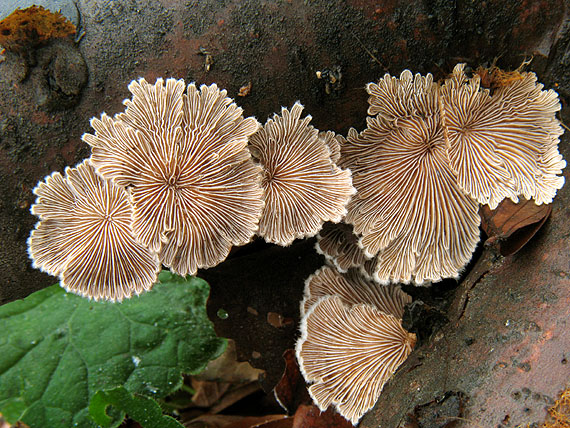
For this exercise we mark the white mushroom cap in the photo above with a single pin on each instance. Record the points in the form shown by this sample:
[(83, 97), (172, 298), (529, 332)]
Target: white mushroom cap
[(504, 144), (353, 289), (85, 237), (303, 186), (348, 354), (409, 209), (339, 245), (183, 158)]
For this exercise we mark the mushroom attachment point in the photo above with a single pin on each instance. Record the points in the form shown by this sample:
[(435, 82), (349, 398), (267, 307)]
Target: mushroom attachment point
[(183, 158), (303, 186), (84, 237), (410, 211), (349, 353), (504, 143)]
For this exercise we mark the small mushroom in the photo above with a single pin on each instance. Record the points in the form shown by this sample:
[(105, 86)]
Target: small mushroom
[(349, 353), (503, 144), (353, 289), (303, 187), (340, 247), (409, 209), (84, 237), (183, 158)]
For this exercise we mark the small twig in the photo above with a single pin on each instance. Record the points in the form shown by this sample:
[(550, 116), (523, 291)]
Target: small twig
[(368, 52)]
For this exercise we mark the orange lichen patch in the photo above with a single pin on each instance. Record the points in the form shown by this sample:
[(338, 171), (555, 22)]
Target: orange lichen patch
[(493, 77), (31, 27), (559, 414)]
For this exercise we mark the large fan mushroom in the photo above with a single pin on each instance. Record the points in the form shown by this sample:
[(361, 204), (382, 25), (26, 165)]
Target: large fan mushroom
[(303, 185), (84, 236), (409, 209), (183, 158), (505, 143)]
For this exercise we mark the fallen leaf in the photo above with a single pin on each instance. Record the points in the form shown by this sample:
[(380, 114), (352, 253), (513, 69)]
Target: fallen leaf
[(268, 421), (291, 391), (234, 395), (513, 225), (232, 421), (208, 392), (226, 368), (309, 416)]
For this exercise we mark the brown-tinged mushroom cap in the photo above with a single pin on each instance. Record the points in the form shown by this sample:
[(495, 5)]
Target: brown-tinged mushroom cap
[(85, 237), (303, 186), (340, 247), (504, 144), (183, 157), (348, 354), (409, 209), (353, 289)]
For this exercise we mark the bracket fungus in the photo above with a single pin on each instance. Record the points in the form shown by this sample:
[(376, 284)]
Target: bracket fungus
[(303, 187), (409, 209), (84, 236), (183, 159), (348, 353), (353, 289), (504, 143)]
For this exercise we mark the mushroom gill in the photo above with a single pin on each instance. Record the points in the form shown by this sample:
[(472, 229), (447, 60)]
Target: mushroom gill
[(183, 158), (303, 187), (84, 236), (408, 209), (503, 144), (347, 353)]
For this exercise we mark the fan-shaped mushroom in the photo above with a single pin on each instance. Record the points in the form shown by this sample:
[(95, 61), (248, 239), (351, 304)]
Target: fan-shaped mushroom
[(183, 158), (408, 208), (84, 236), (302, 184), (348, 354), (503, 144)]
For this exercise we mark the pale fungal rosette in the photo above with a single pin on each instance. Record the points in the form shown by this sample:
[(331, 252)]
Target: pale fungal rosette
[(409, 210), (353, 289), (303, 186), (84, 237), (340, 247), (503, 144), (183, 159), (348, 353)]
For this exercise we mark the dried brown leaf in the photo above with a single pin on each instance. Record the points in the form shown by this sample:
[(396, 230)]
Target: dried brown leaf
[(513, 224), (291, 391), (309, 416)]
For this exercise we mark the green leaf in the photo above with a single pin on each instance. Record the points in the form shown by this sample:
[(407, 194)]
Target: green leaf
[(57, 349), (142, 409)]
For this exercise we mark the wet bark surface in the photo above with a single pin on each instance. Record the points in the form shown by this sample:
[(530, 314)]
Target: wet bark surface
[(502, 357)]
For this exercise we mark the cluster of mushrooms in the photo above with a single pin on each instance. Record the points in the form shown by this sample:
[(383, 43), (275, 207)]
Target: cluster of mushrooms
[(181, 176)]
